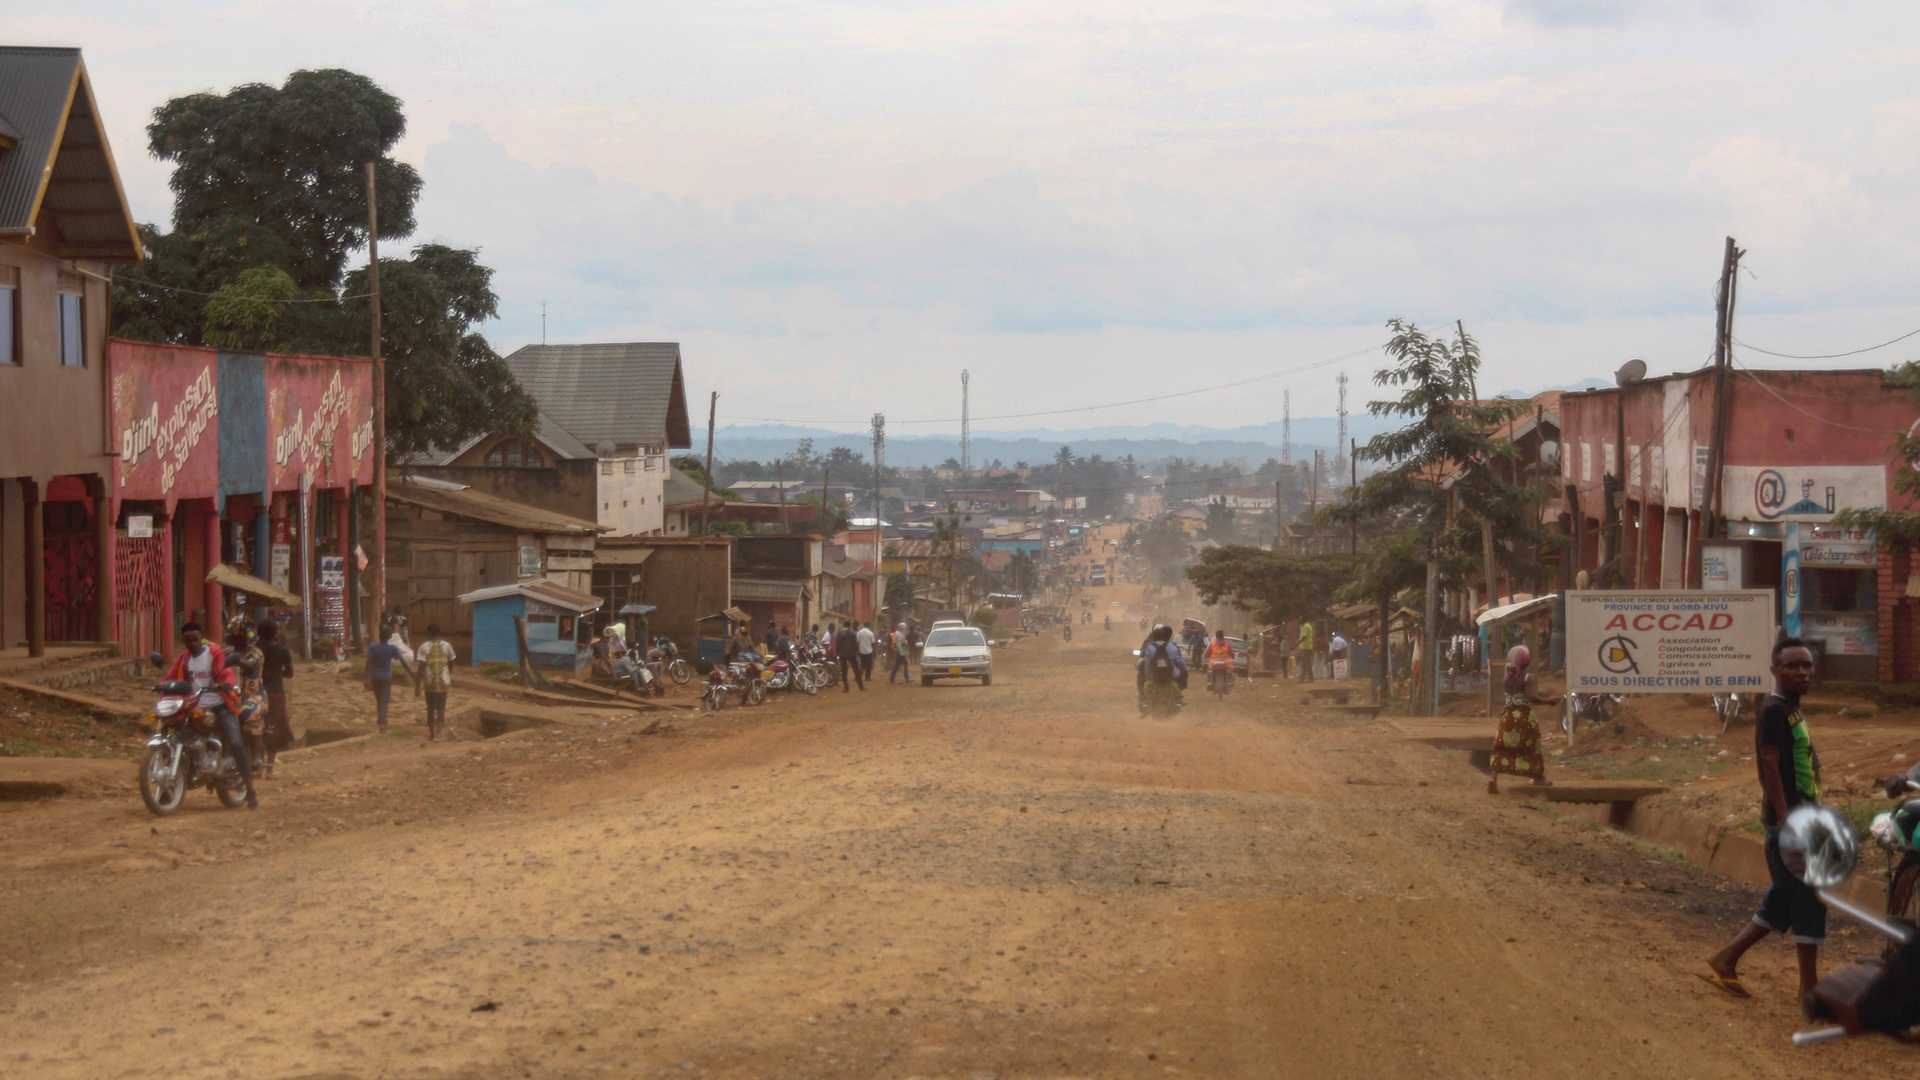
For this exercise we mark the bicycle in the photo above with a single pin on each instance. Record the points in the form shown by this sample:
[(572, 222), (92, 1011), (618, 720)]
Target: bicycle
[(1597, 710), (1903, 875)]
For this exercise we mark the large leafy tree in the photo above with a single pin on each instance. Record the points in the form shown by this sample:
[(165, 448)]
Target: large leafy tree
[(270, 207), (1275, 587)]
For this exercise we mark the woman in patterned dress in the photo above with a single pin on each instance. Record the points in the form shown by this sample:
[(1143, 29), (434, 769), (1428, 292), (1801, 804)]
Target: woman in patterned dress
[(1516, 747), (243, 652)]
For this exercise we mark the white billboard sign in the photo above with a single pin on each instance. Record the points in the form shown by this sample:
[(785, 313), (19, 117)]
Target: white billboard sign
[(1801, 492), (1669, 642)]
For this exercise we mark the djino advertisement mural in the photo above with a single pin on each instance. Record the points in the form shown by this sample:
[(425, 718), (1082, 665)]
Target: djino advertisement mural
[(319, 421), (166, 411)]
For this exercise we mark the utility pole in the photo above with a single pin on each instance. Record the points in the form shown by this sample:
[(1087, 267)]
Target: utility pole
[(543, 322), (706, 495), (1430, 650), (780, 481), (826, 489), (1353, 481), (379, 407), (1722, 398)]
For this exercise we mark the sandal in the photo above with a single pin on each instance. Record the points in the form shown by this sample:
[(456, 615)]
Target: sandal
[(1730, 987)]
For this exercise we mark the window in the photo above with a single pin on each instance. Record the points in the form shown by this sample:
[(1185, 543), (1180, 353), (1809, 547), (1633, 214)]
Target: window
[(9, 314), (511, 454), (73, 321), (627, 465)]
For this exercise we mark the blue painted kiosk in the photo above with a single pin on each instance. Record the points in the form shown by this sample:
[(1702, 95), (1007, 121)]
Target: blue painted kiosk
[(559, 624)]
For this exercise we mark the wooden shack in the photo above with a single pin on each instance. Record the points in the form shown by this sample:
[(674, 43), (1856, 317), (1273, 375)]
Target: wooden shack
[(446, 540)]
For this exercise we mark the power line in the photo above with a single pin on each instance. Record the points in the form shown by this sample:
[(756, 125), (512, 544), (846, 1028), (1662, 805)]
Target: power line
[(1092, 408), (1827, 356)]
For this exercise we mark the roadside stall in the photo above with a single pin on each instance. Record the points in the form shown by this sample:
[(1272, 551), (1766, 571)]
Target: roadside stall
[(557, 620)]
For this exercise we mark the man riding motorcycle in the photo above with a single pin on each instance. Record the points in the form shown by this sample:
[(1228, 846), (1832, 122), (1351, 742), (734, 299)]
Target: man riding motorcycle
[(1220, 656), (204, 666), (1160, 656)]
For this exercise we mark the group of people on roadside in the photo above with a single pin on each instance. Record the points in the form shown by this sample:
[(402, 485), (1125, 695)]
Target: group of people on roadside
[(430, 668), (853, 645)]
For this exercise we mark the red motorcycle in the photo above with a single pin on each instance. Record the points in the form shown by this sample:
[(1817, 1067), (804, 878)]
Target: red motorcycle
[(185, 749)]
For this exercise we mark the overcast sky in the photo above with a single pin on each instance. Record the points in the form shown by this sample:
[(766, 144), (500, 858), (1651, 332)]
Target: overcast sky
[(836, 207)]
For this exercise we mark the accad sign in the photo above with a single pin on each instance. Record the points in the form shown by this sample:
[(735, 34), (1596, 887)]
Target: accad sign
[(1669, 643)]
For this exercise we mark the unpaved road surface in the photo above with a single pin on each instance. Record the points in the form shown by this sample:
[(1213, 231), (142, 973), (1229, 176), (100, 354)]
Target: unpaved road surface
[(1019, 881)]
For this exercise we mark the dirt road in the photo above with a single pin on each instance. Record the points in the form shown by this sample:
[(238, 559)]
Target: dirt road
[(1020, 881)]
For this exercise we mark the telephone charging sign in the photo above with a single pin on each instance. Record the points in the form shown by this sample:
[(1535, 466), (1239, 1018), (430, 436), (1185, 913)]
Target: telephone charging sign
[(1670, 642)]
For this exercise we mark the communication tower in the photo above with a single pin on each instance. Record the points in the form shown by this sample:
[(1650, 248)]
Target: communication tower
[(1286, 427), (966, 431), (1340, 445), (879, 462)]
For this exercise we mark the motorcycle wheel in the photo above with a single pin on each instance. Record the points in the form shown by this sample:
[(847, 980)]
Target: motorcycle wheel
[(678, 670), (231, 792), (803, 679), (162, 796), (756, 692), (1903, 899), (711, 699)]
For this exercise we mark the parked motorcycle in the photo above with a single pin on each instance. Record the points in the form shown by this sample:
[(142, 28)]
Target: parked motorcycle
[(185, 749), (1730, 706), (1595, 709), (795, 673), (1819, 847), (667, 654), (647, 678)]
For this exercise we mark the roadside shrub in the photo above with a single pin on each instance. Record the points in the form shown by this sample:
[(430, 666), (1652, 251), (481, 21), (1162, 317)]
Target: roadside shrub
[(984, 618)]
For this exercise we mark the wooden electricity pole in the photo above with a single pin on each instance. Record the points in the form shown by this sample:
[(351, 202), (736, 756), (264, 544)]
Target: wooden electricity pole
[(379, 408), (706, 494)]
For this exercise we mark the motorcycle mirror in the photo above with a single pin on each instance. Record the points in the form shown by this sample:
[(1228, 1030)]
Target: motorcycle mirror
[(1818, 845), (156, 659)]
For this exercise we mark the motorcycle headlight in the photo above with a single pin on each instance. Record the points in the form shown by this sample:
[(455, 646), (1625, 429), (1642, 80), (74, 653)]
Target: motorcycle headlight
[(166, 708)]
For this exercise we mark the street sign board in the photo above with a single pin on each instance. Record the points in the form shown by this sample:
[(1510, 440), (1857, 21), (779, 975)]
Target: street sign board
[(1669, 642)]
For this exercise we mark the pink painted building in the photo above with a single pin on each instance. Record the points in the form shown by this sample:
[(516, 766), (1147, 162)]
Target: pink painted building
[(1797, 448)]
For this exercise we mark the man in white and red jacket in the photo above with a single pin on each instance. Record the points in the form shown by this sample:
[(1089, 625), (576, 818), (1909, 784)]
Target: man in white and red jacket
[(204, 666)]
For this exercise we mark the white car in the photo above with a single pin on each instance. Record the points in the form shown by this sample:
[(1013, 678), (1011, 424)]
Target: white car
[(952, 651)]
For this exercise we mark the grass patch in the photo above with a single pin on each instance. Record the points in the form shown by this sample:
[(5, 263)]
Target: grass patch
[(1661, 761), (501, 670)]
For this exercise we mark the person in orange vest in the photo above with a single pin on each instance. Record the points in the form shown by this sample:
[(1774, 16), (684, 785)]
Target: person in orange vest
[(1219, 655)]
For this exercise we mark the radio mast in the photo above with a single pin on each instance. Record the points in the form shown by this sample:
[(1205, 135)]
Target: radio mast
[(966, 431), (879, 462), (1340, 446), (1286, 427)]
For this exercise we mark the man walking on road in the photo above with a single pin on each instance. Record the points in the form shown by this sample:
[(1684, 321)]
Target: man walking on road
[(1789, 776), (866, 639), (436, 659), (1303, 653), (900, 655), (846, 648)]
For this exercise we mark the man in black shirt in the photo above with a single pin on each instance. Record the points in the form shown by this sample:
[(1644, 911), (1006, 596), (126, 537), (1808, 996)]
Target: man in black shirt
[(846, 646), (1789, 776), (274, 674)]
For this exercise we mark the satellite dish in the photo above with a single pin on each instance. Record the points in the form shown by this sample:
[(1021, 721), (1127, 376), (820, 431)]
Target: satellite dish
[(1630, 372), (1549, 452), (604, 448)]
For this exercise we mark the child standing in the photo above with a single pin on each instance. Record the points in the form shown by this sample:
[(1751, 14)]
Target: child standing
[(436, 658)]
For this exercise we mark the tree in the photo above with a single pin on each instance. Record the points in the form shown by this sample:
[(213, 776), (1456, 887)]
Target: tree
[(445, 384), (270, 203), (245, 313), (1219, 520), (1438, 483), (1273, 586)]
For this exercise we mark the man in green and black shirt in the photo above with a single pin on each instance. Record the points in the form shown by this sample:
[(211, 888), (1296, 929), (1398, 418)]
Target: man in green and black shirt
[(1789, 775)]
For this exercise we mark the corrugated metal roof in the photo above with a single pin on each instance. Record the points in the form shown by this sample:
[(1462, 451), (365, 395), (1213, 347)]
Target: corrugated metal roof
[(631, 393), (682, 490), (44, 95), (481, 506), (34, 86), (542, 590)]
